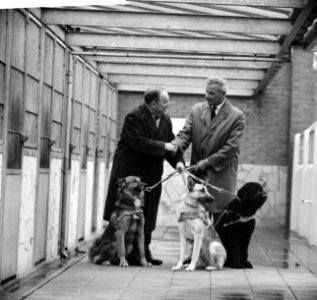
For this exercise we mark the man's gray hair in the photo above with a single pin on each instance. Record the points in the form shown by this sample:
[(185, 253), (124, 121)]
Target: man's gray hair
[(153, 94), (220, 82)]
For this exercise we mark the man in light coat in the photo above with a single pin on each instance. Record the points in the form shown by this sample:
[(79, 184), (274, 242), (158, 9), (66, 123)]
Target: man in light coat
[(215, 129)]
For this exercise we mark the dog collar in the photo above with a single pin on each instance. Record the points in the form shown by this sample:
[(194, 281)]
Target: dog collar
[(241, 219), (137, 213), (195, 215)]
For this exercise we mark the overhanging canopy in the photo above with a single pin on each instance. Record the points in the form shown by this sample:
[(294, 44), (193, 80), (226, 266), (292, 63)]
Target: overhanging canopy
[(177, 44)]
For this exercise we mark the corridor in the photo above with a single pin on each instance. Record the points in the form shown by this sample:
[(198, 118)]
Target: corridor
[(284, 268)]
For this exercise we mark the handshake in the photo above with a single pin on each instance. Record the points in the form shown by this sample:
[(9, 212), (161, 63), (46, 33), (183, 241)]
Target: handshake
[(171, 147)]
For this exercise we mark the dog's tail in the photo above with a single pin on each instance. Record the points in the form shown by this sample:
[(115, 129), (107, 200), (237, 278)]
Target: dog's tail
[(93, 251), (219, 253)]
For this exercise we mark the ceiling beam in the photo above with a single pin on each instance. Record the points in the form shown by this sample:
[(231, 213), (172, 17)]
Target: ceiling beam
[(255, 3), (81, 17), (171, 43), (181, 62), (180, 89), (138, 69), (310, 39), (275, 67), (177, 81), (157, 53)]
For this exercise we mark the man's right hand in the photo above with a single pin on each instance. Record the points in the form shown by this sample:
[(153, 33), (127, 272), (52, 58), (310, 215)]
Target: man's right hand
[(171, 147)]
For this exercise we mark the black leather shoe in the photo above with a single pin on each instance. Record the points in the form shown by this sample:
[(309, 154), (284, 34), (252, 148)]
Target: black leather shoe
[(153, 261), (150, 259)]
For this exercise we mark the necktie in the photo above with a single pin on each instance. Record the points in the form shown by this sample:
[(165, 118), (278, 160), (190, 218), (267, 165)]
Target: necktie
[(212, 112), (157, 121)]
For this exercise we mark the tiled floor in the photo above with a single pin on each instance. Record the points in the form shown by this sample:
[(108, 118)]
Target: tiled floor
[(284, 268)]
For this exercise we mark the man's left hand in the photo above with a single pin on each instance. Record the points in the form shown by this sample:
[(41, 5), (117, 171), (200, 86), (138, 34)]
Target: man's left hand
[(180, 167), (201, 166)]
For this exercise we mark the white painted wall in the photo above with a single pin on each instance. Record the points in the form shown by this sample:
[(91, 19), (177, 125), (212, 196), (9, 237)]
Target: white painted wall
[(54, 208), (73, 203), (27, 216), (101, 196), (89, 199), (304, 187), (1, 170)]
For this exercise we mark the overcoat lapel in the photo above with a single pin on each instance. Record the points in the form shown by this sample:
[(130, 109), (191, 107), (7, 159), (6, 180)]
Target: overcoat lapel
[(210, 125), (149, 120)]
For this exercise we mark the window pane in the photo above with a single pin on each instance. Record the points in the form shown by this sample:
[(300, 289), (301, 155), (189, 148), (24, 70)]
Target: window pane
[(14, 151), (45, 153)]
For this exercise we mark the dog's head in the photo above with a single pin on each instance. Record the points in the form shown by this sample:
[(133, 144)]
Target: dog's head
[(130, 192), (252, 196), (201, 195)]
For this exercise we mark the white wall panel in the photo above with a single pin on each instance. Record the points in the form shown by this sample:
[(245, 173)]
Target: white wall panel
[(1, 169), (73, 203), (101, 196), (54, 208), (89, 198), (27, 216)]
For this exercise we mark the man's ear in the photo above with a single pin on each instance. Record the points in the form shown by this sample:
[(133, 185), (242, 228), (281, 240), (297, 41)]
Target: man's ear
[(153, 104)]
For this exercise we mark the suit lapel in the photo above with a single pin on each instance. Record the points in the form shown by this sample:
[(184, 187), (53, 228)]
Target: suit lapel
[(222, 114)]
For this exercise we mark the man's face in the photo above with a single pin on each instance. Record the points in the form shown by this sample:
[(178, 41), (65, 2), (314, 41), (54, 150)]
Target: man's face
[(161, 105), (214, 95)]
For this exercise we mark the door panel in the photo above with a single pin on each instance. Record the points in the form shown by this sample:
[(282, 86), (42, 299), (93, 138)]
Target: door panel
[(41, 216), (11, 226)]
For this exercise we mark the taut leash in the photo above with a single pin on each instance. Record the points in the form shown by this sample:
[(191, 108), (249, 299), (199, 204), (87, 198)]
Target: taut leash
[(206, 183), (187, 171), (150, 188)]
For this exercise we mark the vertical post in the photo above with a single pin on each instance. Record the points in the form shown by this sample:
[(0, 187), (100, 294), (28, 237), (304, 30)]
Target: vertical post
[(66, 156), (9, 14)]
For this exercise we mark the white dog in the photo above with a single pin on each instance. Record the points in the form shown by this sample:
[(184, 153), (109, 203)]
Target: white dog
[(196, 228)]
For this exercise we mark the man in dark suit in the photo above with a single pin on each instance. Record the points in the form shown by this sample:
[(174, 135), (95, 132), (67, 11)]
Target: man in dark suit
[(214, 128), (144, 144)]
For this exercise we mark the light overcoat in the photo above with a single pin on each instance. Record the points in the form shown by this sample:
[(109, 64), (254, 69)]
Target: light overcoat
[(218, 142)]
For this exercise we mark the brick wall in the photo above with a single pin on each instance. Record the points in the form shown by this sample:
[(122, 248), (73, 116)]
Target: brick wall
[(267, 119), (303, 109), (287, 106)]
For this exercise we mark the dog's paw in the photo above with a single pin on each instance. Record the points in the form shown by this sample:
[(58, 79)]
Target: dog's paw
[(190, 268), (123, 263), (146, 264), (211, 268), (177, 268)]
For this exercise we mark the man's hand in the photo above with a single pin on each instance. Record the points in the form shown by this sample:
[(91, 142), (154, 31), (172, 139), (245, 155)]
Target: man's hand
[(171, 147), (180, 167), (201, 166)]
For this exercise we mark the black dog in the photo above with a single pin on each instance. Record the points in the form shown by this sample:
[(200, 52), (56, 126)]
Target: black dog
[(122, 242), (236, 224)]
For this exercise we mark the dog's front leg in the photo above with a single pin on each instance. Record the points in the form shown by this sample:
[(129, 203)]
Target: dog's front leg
[(120, 246), (144, 263), (198, 238), (182, 250)]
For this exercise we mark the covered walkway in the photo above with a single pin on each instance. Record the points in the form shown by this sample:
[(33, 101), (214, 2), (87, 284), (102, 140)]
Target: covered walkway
[(284, 268), (68, 77)]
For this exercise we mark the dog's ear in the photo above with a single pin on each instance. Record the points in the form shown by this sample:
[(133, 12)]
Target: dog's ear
[(121, 183)]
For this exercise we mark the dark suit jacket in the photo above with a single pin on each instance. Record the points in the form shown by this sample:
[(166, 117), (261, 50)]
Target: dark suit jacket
[(218, 141), (141, 152)]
